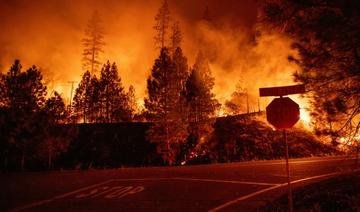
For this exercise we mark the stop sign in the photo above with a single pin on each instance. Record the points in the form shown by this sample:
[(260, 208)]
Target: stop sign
[(282, 113)]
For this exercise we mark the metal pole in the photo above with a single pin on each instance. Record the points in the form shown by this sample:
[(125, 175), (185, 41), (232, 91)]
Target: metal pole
[(288, 171), (71, 91), (247, 102)]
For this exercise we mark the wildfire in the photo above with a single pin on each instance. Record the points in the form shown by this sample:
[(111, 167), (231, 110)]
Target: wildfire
[(304, 105), (222, 112), (305, 116), (346, 142), (64, 89), (59, 88)]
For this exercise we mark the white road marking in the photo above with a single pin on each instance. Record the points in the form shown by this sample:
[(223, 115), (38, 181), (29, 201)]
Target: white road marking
[(273, 186), (118, 191), (121, 192), (42, 202), (34, 204), (218, 208), (95, 193), (104, 189), (244, 198), (226, 181)]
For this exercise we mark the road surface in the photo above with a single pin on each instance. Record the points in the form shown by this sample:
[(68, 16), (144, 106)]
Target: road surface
[(218, 187)]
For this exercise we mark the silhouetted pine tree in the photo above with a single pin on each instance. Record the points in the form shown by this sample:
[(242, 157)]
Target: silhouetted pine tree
[(55, 109), (181, 75), (201, 101), (27, 120), (178, 58), (175, 37), (163, 105), (113, 96), (22, 97), (132, 104), (162, 25), (82, 98), (181, 69), (102, 100), (93, 44), (327, 37), (94, 102), (55, 140), (240, 100)]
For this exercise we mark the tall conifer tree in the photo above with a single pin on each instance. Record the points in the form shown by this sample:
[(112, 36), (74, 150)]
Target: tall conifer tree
[(175, 37), (200, 99), (93, 44), (327, 37), (162, 24), (112, 95), (82, 98), (23, 96), (163, 107)]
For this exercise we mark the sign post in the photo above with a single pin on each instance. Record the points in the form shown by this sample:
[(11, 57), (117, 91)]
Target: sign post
[(291, 207), (283, 113)]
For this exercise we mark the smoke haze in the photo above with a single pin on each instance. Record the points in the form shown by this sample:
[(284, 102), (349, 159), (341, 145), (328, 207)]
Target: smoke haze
[(48, 33)]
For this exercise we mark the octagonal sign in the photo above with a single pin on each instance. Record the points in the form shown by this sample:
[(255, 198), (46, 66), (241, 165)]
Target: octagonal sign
[(283, 113)]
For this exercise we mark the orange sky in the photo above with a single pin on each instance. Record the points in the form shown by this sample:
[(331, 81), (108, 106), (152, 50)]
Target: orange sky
[(48, 33)]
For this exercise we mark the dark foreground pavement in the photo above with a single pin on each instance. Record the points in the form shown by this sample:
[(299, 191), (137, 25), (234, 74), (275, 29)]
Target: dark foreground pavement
[(224, 187)]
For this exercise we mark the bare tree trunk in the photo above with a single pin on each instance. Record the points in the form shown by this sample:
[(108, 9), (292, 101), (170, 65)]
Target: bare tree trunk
[(84, 115), (247, 102), (163, 34), (93, 59), (169, 153), (107, 111)]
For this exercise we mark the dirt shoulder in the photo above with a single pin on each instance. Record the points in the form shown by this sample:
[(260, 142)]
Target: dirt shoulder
[(336, 194)]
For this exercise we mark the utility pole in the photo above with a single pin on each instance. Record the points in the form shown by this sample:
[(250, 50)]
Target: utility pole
[(71, 91), (247, 102)]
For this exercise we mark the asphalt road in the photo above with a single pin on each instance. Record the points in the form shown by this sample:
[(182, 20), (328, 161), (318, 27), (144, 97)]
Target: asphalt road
[(219, 187)]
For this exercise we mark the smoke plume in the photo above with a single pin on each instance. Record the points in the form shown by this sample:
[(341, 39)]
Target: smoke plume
[(48, 33)]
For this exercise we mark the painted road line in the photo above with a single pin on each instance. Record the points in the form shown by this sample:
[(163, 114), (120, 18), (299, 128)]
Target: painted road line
[(91, 191), (41, 202), (96, 192), (140, 188), (232, 202), (242, 198), (108, 192), (124, 191), (226, 181)]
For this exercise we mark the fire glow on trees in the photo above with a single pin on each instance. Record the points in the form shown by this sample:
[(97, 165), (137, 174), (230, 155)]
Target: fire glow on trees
[(229, 37)]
